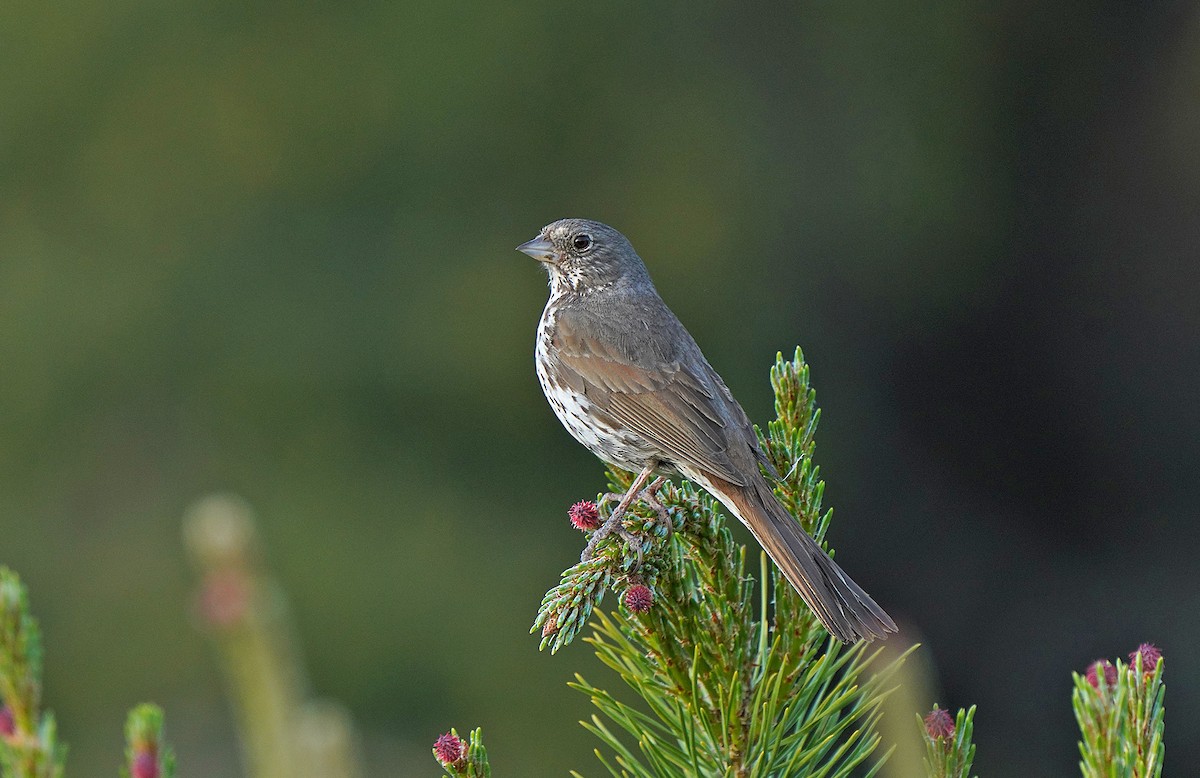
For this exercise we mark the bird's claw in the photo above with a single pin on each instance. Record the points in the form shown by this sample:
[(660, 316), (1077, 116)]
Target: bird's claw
[(649, 495), (613, 524)]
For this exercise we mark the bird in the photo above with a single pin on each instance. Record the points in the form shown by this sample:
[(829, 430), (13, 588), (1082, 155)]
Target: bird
[(627, 380)]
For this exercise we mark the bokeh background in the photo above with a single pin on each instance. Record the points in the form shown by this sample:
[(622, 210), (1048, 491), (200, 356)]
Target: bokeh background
[(267, 248)]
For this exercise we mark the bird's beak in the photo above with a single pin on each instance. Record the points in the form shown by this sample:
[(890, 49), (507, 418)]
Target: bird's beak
[(539, 248)]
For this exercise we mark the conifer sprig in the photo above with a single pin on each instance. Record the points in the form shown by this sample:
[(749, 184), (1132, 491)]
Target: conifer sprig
[(461, 758), (790, 442), (949, 751), (1119, 709), (616, 565)]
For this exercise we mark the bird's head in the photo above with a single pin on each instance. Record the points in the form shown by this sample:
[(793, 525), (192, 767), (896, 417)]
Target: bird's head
[(584, 255)]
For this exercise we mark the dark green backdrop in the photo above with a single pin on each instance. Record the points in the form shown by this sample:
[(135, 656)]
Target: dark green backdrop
[(267, 247)]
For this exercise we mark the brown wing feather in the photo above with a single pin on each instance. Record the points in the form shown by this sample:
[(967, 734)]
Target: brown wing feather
[(666, 403)]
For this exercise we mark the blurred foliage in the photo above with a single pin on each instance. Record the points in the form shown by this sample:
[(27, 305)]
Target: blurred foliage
[(147, 754), (29, 743), (267, 248), (283, 732)]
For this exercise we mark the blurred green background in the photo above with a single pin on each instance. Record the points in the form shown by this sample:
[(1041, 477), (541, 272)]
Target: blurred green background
[(268, 248)]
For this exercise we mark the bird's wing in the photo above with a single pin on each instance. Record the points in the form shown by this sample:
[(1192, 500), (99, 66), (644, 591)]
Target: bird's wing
[(652, 388)]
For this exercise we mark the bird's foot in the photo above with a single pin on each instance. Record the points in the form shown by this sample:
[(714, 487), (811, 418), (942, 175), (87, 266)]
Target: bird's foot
[(649, 495), (614, 520), (613, 524)]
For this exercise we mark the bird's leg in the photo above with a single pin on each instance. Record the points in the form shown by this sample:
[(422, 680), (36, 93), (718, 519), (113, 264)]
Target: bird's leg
[(614, 520)]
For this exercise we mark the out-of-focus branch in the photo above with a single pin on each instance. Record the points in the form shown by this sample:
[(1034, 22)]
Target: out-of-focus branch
[(29, 746), (146, 753), (283, 733)]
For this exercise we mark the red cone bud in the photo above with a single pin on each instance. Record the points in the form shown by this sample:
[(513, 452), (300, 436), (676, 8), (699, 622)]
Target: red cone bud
[(7, 725), (939, 725), (1150, 654), (450, 749), (144, 766), (639, 598), (585, 515), (1102, 666)]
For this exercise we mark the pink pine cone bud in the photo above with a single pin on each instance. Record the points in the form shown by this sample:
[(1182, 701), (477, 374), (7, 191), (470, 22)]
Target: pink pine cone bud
[(939, 725), (144, 766), (1105, 666), (7, 725), (585, 515), (639, 598), (450, 749), (1150, 654)]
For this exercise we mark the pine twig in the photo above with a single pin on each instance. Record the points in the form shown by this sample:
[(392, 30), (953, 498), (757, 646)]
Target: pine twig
[(949, 751), (461, 758), (1119, 708)]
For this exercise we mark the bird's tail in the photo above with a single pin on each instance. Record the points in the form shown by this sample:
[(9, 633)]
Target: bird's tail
[(843, 607)]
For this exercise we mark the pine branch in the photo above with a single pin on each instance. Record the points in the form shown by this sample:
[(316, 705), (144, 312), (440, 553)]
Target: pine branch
[(736, 683)]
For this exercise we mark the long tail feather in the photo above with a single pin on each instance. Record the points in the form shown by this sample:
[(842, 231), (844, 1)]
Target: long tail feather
[(843, 607)]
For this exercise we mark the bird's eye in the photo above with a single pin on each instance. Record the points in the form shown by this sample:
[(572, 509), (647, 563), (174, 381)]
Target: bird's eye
[(582, 241)]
